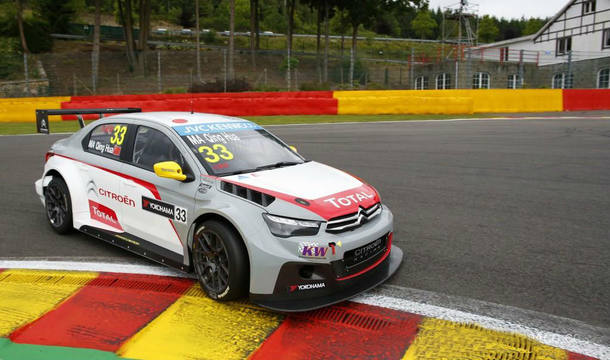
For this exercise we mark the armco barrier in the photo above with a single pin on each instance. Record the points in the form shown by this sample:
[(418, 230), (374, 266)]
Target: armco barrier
[(234, 106), (585, 99), (444, 101), (23, 109), (377, 105), (325, 102)]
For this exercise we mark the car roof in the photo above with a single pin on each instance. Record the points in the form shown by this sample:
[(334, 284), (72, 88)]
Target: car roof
[(179, 118)]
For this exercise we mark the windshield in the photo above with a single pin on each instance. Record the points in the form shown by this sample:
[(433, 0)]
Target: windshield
[(227, 148)]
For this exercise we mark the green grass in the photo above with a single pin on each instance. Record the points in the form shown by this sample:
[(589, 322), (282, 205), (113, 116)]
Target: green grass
[(71, 126)]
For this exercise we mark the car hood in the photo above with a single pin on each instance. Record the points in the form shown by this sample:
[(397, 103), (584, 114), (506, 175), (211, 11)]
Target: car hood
[(326, 191)]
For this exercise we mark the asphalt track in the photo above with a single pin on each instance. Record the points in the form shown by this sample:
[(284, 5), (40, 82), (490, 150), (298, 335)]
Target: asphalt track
[(514, 212)]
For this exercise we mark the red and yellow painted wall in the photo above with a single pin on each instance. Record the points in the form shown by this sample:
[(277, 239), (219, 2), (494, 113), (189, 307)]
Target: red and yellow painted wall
[(85, 315), (325, 102)]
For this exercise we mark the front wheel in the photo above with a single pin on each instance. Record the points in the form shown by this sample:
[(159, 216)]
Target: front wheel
[(220, 261), (58, 205)]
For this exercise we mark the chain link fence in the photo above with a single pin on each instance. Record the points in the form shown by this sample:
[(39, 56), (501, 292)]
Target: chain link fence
[(172, 68)]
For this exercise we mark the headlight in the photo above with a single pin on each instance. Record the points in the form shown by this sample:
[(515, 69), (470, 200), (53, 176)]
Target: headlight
[(285, 227)]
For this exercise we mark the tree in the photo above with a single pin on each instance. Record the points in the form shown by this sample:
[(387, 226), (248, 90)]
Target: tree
[(254, 38), (24, 44), (95, 54), (126, 17), (424, 25), (533, 25), (56, 14), (231, 37), (144, 17), (198, 45), (488, 30), (290, 7), (359, 13)]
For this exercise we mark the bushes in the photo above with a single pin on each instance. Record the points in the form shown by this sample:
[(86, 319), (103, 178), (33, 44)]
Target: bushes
[(235, 85)]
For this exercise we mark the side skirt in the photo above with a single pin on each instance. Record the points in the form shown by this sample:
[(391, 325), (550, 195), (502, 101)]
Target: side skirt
[(139, 246)]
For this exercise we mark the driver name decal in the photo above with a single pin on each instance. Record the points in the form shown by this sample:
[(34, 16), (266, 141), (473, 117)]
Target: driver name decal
[(164, 209)]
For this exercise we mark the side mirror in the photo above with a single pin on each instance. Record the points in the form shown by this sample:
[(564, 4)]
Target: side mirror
[(169, 170), (293, 148)]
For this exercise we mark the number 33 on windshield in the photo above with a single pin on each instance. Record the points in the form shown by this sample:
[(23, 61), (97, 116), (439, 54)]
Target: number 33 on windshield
[(211, 156)]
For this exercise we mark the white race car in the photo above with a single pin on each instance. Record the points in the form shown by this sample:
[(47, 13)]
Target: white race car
[(222, 197)]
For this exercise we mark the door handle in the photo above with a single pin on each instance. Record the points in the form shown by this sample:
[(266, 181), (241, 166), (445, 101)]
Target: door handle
[(129, 183)]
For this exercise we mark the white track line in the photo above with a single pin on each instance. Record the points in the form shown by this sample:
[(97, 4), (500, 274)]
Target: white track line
[(91, 266), (566, 342)]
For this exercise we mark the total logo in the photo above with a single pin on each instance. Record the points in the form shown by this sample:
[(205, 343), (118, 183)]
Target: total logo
[(318, 252), (293, 288), (104, 214), (349, 200)]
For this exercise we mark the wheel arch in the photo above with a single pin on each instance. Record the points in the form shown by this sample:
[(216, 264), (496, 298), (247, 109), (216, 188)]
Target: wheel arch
[(221, 218)]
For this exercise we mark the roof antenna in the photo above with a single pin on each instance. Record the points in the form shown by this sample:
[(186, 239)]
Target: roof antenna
[(191, 105)]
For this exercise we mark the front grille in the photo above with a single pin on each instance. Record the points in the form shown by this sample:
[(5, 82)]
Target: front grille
[(248, 194), (353, 220), (358, 259)]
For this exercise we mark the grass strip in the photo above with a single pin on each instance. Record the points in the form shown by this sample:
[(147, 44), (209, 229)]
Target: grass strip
[(10, 350)]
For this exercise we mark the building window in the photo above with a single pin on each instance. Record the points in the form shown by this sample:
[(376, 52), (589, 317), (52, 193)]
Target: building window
[(606, 39), (480, 80), (504, 54), (564, 45), (603, 79), (443, 81), (562, 81), (421, 83), (588, 6), (514, 81)]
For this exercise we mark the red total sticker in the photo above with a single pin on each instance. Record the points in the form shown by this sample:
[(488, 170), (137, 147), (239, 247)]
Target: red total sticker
[(180, 121), (104, 214)]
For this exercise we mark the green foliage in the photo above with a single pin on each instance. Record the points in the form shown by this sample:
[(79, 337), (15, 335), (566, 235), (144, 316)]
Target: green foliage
[(36, 31), (175, 90), (57, 14), (424, 25), (209, 37), (488, 30), (294, 63), (533, 25), (10, 62)]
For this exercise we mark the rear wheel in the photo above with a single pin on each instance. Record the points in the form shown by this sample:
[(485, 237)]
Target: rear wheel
[(220, 261), (58, 205)]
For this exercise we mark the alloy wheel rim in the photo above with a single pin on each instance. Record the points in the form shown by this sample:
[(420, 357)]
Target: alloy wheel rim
[(57, 205), (212, 263)]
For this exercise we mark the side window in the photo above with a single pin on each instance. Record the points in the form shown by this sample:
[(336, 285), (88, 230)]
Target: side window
[(152, 146), (108, 140)]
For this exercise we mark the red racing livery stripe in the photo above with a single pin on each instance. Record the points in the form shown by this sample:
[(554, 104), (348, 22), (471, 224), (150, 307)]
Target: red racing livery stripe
[(151, 187), (105, 313), (344, 331), (329, 206)]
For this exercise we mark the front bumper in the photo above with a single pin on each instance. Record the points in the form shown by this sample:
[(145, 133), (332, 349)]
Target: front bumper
[(289, 297)]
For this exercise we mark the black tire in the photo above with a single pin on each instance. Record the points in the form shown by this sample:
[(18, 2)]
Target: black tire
[(58, 205), (220, 261)]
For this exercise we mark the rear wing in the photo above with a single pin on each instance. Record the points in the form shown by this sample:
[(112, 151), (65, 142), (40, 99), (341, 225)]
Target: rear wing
[(42, 115)]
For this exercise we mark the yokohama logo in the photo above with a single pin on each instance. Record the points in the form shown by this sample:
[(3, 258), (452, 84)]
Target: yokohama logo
[(104, 214), (293, 288)]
